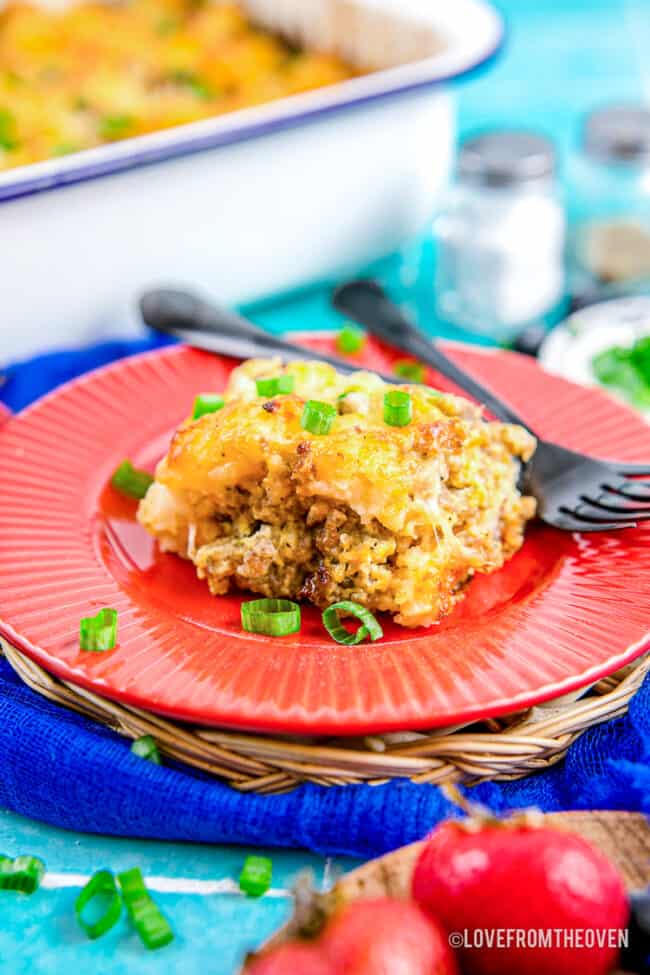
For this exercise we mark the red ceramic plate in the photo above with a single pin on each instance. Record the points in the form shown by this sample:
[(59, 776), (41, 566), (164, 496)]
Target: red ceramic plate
[(565, 611)]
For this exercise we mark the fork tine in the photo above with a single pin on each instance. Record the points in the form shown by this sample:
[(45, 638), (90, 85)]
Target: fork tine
[(630, 489), (632, 470), (600, 524), (572, 522), (612, 511), (617, 509)]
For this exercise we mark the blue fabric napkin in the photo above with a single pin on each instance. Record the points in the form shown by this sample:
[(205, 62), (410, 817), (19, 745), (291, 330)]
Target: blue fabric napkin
[(68, 771)]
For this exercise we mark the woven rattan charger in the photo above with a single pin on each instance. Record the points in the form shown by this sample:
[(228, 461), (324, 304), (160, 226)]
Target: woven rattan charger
[(496, 749)]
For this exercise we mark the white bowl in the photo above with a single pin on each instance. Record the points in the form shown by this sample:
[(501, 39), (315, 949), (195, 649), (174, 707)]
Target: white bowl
[(570, 348)]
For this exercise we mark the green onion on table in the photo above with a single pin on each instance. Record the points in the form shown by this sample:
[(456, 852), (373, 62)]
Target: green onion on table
[(256, 875), (100, 891), (147, 918), (23, 873)]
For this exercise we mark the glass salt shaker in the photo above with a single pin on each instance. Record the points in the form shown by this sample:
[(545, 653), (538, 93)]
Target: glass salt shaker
[(501, 236), (610, 199)]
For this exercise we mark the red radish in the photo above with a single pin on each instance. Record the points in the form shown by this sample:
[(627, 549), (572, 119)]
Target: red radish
[(292, 958), (386, 937), (486, 876)]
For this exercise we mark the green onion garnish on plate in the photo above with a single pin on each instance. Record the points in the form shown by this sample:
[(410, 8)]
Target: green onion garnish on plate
[(397, 408), (410, 369), (332, 623), (317, 417), (23, 873), (129, 480), (98, 633), (274, 617), (255, 878), (146, 747), (350, 340), (207, 403), (274, 385), (100, 891), (147, 918)]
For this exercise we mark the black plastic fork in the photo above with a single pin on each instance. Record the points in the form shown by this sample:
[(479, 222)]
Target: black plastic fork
[(574, 492)]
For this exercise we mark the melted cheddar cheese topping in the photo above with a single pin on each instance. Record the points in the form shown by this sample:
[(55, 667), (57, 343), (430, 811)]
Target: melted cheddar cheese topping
[(396, 518)]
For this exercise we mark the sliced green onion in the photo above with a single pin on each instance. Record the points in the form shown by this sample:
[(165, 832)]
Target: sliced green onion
[(148, 920), (23, 873), (115, 126), (332, 623), (129, 480), (107, 909), (397, 408), (165, 26), (317, 417), (207, 403), (192, 82), (274, 385), (65, 148), (255, 878), (146, 747), (350, 340), (8, 139), (275, 617), (410, 369), (98, 633)]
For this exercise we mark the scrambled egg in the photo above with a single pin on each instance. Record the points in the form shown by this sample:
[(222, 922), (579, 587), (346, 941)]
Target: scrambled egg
[(97, 72), (395, 518)]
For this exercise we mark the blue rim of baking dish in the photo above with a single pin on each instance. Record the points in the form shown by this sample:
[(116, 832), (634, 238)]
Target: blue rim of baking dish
[(233, 128)]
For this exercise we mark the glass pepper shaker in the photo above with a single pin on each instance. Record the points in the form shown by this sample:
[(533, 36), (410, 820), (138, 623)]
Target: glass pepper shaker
[(501, 236), (610, 199)]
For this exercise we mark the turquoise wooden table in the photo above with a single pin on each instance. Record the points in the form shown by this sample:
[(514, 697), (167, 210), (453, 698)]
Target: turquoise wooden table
[(562, 57)]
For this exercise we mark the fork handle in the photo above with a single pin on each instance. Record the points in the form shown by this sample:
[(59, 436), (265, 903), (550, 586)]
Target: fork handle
[(211, 327), (366, 302)]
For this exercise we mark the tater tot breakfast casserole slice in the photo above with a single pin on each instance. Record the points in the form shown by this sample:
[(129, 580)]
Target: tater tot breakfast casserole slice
[(336, 489)]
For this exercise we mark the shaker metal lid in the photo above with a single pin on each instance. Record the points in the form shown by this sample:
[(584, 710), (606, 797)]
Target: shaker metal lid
[(618, 133), (506, 158)]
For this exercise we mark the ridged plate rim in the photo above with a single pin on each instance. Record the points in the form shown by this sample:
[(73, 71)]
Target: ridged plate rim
[(380, 706)]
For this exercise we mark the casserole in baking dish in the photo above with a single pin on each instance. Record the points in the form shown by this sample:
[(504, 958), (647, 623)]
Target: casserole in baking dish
[(256, 200), (94, 73)]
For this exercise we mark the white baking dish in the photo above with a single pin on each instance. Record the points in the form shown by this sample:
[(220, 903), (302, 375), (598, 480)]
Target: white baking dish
[(253, 202)]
